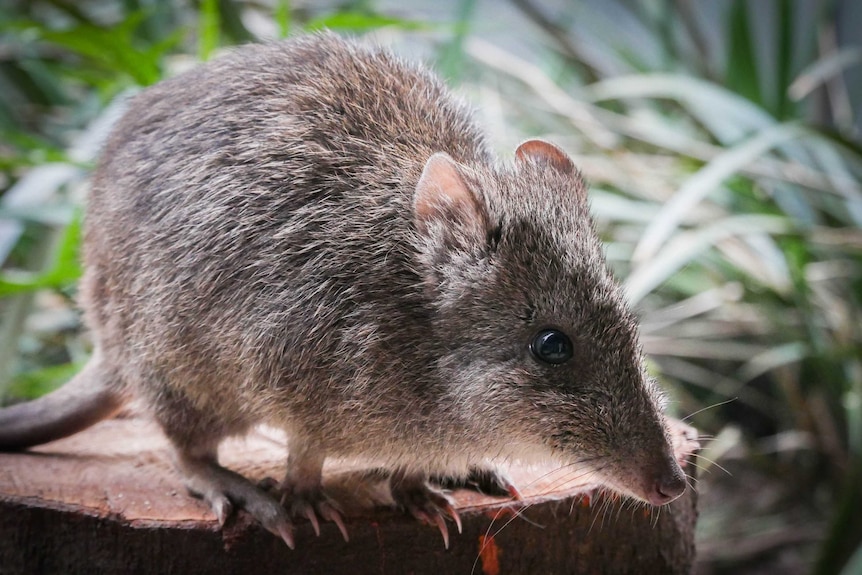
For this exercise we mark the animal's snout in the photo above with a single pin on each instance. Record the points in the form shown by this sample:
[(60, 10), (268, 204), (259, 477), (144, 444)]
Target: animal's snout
[(666, 486)]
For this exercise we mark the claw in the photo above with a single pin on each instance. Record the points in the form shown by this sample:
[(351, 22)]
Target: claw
[(224, 490), (222, 509), (435, 519), (424, 502), (441, 525), (454, 515), (331, 514), (312, 517), (283, 530), (315, 506), (286, 534), (341, 527), (513, 491)]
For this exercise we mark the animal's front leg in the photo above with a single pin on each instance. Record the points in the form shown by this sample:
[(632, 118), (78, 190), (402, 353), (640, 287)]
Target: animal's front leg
[(414, 494), (484, 479), (684, 439)]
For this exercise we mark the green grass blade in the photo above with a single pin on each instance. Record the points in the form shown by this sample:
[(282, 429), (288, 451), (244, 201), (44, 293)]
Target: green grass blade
[(451, 60), (231, 24), (686, 246), (842, 543), (352, 21), (64, 269), (10, 233), (821, 71), (33, 384), (742, 71), (727, 115), (772, 359), (702, 183), (854, 565), (784, 58), (114, 49), (282, 17), (208, 28)]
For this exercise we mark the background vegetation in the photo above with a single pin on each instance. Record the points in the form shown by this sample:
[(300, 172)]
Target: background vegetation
[(722, 141)]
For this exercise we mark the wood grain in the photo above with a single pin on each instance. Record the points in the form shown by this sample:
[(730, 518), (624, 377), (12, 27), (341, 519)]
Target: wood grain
[(109, 501)]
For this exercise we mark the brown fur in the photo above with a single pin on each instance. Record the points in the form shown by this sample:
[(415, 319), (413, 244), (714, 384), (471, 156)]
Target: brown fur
[(259, 248)]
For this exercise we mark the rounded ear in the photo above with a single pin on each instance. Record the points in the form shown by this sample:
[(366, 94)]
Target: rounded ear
[(443, 197), (545, 153)]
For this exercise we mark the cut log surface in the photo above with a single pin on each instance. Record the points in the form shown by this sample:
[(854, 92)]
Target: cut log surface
[(109, 501)]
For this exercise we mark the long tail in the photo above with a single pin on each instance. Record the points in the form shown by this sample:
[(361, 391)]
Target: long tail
[(86, 399)]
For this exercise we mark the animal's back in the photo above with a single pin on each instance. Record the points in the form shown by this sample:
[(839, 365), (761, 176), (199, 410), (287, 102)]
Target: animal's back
[(260, 206)]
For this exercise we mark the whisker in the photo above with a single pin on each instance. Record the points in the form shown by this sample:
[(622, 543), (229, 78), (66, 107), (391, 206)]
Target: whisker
[(694, 488), (701, 467), (569, 476), (711, 462), (490, 536), (719, 404), (655, 515)]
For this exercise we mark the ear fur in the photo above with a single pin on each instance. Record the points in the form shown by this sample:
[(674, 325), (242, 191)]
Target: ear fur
[(443, 197), (545, 153)]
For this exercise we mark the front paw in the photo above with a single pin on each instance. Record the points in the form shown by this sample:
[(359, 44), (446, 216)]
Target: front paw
[(684, 439), (308, 503), (485, 480), (424, 502)]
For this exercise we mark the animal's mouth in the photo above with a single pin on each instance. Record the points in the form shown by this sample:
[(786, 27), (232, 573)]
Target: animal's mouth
[(652, 476)]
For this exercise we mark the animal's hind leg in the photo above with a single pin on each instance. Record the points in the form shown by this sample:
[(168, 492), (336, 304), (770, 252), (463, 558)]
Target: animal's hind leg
[(224, 489), (196, 437)]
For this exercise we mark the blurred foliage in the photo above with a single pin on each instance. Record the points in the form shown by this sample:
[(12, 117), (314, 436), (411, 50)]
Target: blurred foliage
[(722, 145)]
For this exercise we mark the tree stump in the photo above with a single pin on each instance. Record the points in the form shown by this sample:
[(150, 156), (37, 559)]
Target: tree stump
[(108, 501)]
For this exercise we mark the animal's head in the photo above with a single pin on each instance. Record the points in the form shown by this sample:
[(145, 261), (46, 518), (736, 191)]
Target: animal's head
[(539, 346)]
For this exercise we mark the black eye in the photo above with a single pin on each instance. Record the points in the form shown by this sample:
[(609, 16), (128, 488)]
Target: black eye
[(551, 346)]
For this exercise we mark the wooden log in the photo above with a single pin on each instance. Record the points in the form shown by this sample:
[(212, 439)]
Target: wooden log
[(108, 501)]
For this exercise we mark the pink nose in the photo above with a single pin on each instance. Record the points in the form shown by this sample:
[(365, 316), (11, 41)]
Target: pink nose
[(667, 487)]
